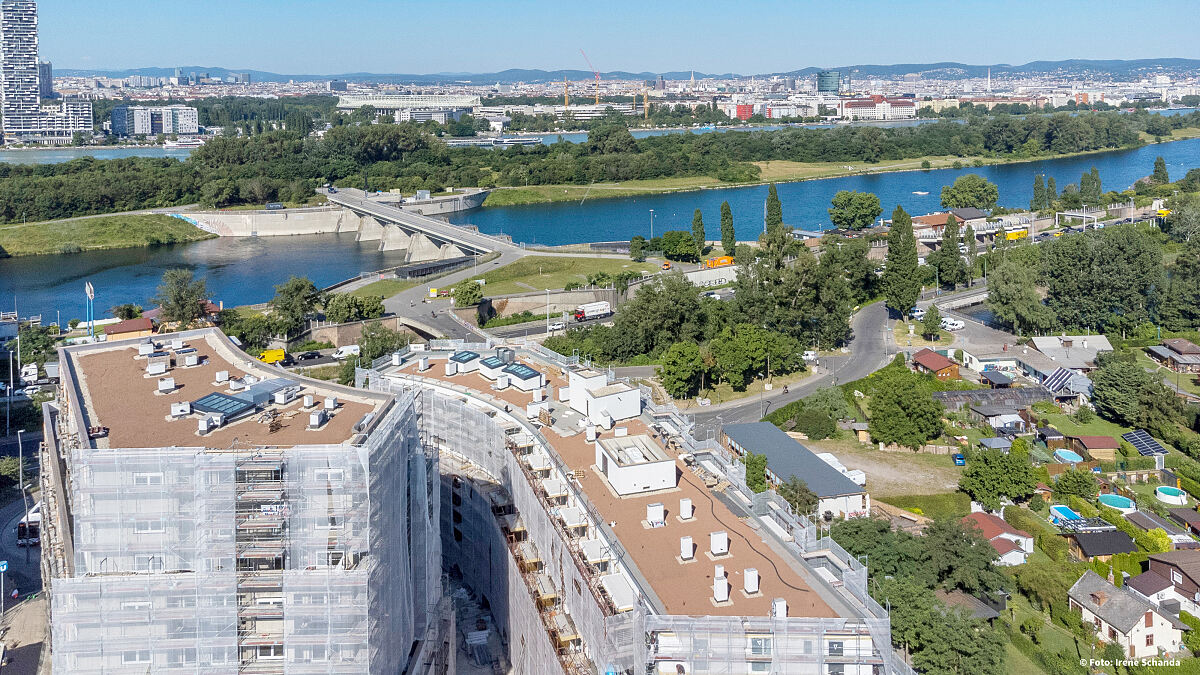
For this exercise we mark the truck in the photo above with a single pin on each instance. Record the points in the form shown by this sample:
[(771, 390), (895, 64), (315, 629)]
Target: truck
[(719, 261), (29, 529), (272, 355), (593, 310), (29, 373)]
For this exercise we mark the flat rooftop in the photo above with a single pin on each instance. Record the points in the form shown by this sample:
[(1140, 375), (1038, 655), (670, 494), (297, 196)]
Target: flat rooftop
[(118, 394), (633, 450), (683, 588)]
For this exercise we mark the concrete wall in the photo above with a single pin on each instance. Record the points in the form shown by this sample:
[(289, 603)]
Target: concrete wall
[(560, 301), (443, 205), (348, 333), (321, 220)]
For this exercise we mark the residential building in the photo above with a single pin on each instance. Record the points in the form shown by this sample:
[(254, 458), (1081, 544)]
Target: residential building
[(1181, 571), (1187, 517), (1003, 419), (1148, 521), (1178, 354), (838, 496), (1012, 545), (45, 79), (995, 379), (629, 568), (1122, 617), (133, 120), (24, 120), (1076, 352), (929, 361), (879, 108), (202, 513), (1103, 448), (1100, 545), (131, 328)]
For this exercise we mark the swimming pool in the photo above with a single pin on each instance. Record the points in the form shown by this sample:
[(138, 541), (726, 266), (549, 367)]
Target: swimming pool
[(1170, 495), (1060, 514), (1122, 504), (1067, 456)]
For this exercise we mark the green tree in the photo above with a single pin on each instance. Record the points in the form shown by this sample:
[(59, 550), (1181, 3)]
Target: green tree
[(1160, 175), (378, 340), (972, 251), (853, 210), (181, 297), (467, 293), (680, 245), (126, 311), (901, 279), (931, 325), (962, 558), (681, 369), (1039, 194), (1014, 299), (947, 259), (1051, 193), (1075, 482), (698, 232), (756, 476), (1117, 387), (728, 235), (904, 413), (637, 248), (971, 190), (294, 300), (796, 493), (774, 213), (993, 474)]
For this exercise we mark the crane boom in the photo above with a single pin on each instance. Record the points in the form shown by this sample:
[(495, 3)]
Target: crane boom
[(594, 72)]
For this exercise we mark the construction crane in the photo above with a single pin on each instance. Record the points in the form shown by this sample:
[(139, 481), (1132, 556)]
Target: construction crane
[(594, 72)]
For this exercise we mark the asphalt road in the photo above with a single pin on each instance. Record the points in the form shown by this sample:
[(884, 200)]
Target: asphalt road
[(870, 349)]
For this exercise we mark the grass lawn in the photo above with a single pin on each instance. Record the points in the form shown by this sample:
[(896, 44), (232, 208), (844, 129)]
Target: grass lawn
[(723, 392), (943, 505), (893, 474), (537, 273), (541, 194), (1054, 638), (385, 287), (1176, 134), (1185, 381), (901, 336), (1016, 663), (329, 372), (1097, 427), (88, 234)]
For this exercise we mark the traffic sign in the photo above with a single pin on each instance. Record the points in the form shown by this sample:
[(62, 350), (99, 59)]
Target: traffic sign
[(3, 565)]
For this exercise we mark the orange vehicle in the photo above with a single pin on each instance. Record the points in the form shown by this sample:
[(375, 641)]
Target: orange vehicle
[(666, 265), (719, 261)]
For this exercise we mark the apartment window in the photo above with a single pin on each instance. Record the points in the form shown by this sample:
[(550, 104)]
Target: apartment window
[(1150, 640), (836, 669), (335, 558), (135, 604), (1112, 633), (760, 646), (1096, 623), (147, 526), (330, 475), (148, 478), (270, 651), (835, 648), (1149, 619), (760, 666), (185, 655), (130, 656), (317, 654), (329, 523), (1176, 577)]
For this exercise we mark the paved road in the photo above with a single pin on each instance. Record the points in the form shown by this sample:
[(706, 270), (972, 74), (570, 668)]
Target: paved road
[(870, 349), (461, 236)]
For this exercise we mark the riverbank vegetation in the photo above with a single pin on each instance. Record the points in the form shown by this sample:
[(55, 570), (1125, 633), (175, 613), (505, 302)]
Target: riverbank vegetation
[(91, 234), (284, 163)]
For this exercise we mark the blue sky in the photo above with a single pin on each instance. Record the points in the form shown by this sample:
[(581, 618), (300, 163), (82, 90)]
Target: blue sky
[(309, 37)]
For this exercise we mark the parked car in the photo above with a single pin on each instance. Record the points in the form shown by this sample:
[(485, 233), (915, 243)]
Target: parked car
[(917, 313), (959, 459), (810, 355), (346, 352), (557, 325), (952, 324), (309, 356)]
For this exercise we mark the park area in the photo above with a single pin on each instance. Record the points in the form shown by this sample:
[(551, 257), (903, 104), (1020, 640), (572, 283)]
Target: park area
[(538, 273)]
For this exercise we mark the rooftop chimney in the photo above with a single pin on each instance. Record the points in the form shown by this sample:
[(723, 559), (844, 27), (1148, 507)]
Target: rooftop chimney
[(750, 580), (686, 549), (718, 543), (1099, 598)]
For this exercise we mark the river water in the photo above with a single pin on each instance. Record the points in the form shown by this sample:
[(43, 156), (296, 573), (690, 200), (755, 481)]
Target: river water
[(244, 270)]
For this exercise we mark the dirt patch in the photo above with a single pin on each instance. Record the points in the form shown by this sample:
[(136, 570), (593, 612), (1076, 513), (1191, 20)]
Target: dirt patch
[(894, 473)]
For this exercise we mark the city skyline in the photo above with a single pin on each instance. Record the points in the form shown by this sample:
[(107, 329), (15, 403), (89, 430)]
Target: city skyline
[(662, 37)]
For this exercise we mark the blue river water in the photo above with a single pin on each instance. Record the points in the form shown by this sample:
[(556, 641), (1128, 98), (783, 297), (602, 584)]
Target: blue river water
[(245, 270)]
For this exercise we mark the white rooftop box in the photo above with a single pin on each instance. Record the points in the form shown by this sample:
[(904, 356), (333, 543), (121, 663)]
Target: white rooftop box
[(146, 349), (686, 548), (779, 608), (166, 385), (423, 364), (656, 514), (451, 368), (331, 403), (181, 409), (157, 368), (222, 376), (685, 508), (750, 580), (285, 396), (309, 400), (396, 358), (634, 464), (718, 542), (720, 586), (176, 343), (316, 419), (191, 360)]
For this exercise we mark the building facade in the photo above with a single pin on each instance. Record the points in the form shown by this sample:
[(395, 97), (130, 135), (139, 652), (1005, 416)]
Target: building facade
[(829, 81), (24, 120), (133, 120)]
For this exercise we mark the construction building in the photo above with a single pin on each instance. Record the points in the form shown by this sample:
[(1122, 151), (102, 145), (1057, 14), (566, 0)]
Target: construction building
[(208, 513), (605, 538), (439, 108)]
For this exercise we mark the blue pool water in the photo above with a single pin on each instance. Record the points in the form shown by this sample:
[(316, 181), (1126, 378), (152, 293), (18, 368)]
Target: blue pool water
[(1059, 513), (1067, 456), (1115, 501)]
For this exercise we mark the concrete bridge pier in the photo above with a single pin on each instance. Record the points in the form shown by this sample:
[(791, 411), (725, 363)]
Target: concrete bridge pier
[(395, 239), (370, 228)]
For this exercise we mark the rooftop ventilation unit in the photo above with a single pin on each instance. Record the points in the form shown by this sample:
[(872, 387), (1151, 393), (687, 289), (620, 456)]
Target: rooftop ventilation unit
[(720, 585), (166, 385), (508, 356), (191, 360), (750, 581), (451, 368), (364, 422), (621, 431), (309, 400), (156, 368), (222, 377), (331, 403), (564, 394), (591, 433), (539, 395), (685, 508), (686, 548), (317, 419), (236, 385), (656, 514), (501, 382), (181, 409), (146, 349), (779, 608), (285, 396), (396, 358), (423, 364), (176, 343), (211, 422), (718, 543)]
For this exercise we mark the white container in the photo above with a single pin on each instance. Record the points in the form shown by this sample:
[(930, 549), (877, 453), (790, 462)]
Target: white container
[(656, 514), (686, 548), (145, 349), (181, 409), (176, 343), (166, 385), (395, 358), (591, 433), (750, 580), (720, 588), (156, 368), (423, 364), (501, 382), (316, 419), (222, 376), (621, 431), (309, 401), (202, 425), (779, 608), (685, 508), (331, 403), (191, 360), (539, 395), (718, 543), (284, 396), (451, 368), (564, 394)]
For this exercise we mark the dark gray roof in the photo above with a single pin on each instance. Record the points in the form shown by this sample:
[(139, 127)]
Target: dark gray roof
[(995, 443), (1120, 608), (1019, 397), (1104, 543), (996, 377), (1149, 521), (993, 410), (786, 457), (1049, 432), (977, 608), (1148, 583), (968, 213)]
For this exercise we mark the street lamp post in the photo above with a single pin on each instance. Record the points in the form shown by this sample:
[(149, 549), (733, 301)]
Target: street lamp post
[(21, 481), (651, 223)]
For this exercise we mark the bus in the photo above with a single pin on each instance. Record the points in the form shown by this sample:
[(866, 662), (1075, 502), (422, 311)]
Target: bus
[(29, 529)]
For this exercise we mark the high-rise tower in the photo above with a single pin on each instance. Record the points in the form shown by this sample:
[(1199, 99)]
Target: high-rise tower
[(19, 69)]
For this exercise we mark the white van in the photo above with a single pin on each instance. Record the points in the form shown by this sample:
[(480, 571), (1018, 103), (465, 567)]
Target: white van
[(952, 324), (346, 352)]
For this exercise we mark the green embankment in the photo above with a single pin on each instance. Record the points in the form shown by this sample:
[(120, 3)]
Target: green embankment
[(95, 233)]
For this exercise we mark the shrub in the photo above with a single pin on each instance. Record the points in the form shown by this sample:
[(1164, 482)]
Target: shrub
[(1054, 546), (1083, 508), (1036, 503), (73, 323), (1191, 638), (816, 424), (1084, 415), (312, 345), (1033, 628)]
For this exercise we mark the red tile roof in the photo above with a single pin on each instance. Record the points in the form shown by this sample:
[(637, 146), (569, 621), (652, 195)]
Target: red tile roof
[(1098, 442), (932, 219), (1003, 545), (932, 360), (131, 326), (992, 526), (1180, 345)]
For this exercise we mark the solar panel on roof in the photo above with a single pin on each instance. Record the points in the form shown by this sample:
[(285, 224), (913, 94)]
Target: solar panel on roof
[(1058, 379), (217, 402), (1143, 443)]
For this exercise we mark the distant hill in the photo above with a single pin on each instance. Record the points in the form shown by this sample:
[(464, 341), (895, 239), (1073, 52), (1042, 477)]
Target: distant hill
[(1118, 69)]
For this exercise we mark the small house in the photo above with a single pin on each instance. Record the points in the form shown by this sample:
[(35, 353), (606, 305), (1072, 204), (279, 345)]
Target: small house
[(1178, 354), (1103, 448), (1053, 438), (929, 361), (1187, 518), (1012, 545), (634, 464), (131, 328), (1122, 617), (996, 443), (1102, 545)]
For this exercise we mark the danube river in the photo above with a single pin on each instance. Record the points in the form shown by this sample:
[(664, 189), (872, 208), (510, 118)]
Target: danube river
[(244, 270)]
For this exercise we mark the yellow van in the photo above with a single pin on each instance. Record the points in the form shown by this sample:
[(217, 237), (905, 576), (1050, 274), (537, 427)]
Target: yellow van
[(272, 355)]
